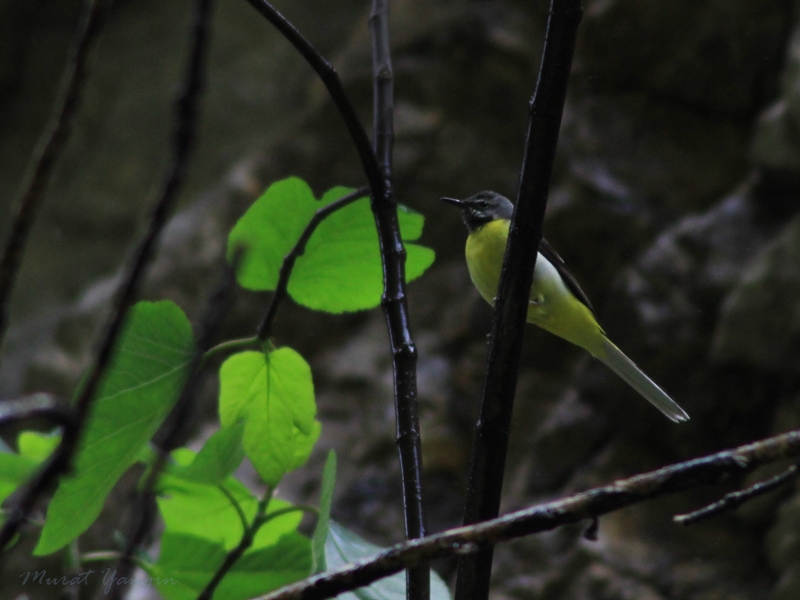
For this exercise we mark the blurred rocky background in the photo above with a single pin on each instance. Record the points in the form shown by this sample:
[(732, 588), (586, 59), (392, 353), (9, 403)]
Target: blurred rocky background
[(676, 203)]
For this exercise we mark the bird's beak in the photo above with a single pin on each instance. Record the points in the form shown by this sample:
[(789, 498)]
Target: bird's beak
[(454, 202)]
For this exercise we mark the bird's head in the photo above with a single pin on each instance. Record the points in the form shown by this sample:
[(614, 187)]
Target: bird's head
[(482, 208)]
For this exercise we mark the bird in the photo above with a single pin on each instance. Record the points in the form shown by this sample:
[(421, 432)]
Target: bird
[(557, 303)]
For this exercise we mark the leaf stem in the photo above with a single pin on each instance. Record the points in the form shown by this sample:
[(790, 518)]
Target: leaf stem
[(244, 544), (306, 508), (285, 273), (101, 556), (230, 346), (236, 506)]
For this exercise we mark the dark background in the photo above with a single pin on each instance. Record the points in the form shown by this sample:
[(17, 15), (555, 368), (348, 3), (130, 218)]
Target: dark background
[(674, 203)]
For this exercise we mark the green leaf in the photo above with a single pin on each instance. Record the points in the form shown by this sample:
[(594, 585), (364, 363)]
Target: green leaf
[(340, 270), (36, 445), (324, 517), (186, 564), (274, 394), (269, 230), (16, 469), (205, 511), (217, 460), (344, 546), (202, 525), (138, 391)]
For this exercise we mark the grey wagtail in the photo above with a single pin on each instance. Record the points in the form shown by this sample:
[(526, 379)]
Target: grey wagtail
[(557, 304)]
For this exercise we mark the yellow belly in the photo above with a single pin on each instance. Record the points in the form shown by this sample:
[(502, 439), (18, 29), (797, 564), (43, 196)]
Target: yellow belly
[(552, 306), (484, 252)]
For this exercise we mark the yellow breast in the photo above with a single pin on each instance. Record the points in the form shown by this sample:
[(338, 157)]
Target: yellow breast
[(484, 252), (552, 306)]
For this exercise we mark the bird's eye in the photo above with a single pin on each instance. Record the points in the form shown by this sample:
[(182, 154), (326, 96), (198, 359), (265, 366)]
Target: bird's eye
[(483, 204)]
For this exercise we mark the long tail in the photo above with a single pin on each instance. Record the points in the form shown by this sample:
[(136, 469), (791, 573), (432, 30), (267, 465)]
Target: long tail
[(633, 376)]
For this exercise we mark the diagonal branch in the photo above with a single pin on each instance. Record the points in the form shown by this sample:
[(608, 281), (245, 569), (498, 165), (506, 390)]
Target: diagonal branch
[(60, 462), (265, 329), (218, 307), (330, 79), (734, 500), (48, 150), (35, 406), (545, 517), (487, 464), (245, 543)]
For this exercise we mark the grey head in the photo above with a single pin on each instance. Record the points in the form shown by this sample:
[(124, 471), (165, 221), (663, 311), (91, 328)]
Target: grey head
[(482, 208)]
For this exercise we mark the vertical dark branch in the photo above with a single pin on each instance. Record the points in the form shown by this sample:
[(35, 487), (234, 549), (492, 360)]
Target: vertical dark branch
[(487, 464), (47, 151), (404, 356), (395, 306), (182, 142)]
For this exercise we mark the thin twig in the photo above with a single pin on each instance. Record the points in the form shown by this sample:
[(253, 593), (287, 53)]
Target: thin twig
[(243, 546), (248, 536), (487, 464), (734, 500), (393, 302), (304, 508), (265, 329), (60, 461), (101, 556), (330, 79), (55, 416), (39, 406), (408, 436), (48, 150), (72, 572), (230, 346), (544, 517), (236, 506)]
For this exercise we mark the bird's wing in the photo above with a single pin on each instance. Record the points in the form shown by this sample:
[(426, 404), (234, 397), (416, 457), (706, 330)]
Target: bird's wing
[(550, 254)]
